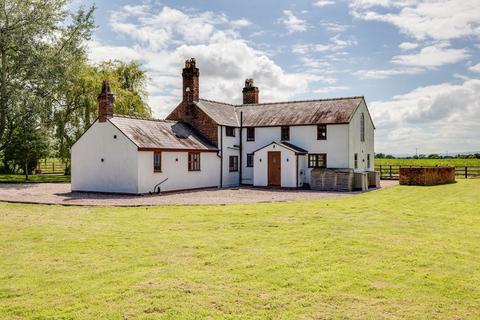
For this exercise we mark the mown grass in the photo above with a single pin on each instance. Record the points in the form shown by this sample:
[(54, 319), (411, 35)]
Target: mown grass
[(34, 178), (428, 162), (399, 253)]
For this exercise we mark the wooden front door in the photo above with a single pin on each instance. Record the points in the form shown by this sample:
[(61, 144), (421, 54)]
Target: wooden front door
[(274, 169)]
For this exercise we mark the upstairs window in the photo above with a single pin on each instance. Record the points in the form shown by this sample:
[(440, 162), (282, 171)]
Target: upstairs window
[(362, 127), (230, 131), (157, 162), (233, 163), (355, 160), (322, 132), (317, 160), (194, 161), (250, 134), (249, 159), (285, 136)]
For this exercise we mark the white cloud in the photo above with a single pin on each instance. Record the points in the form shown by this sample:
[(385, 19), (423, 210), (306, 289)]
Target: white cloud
[(386, 73), (427, 58), (475, 68), (335, 44), (433, 118), (407, 45), (432, 57), (329, 89), (162, 38), (240, 23), (323, 3), (432, 19), (334, 27), (292, 22)]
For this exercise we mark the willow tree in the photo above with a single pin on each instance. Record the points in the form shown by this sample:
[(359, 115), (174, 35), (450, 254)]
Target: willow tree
[(39, 40)]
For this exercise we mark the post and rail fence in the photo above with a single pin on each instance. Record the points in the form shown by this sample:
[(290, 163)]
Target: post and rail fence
[(50, 166), (392, 171)]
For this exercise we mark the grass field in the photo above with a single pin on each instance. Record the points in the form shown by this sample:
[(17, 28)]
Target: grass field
[(399, 253), (428, 162), (34, 178)]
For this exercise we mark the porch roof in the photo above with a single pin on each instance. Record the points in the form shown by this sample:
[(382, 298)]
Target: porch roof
[(286, 145)]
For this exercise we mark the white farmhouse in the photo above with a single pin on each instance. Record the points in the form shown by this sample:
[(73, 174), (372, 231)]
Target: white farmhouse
[(205, 143)]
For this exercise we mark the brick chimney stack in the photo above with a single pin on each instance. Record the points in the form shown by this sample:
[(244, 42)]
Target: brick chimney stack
[(191, 76), (105, 102), (250, 93)]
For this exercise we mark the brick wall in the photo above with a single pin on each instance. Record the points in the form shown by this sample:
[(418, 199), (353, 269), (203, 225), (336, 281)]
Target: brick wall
[(191, 114)]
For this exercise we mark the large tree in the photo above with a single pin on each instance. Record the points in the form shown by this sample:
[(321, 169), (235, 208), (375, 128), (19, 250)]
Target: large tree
[(38, 40)]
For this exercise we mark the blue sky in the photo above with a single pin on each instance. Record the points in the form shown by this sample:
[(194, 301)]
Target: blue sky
[(416, 62)]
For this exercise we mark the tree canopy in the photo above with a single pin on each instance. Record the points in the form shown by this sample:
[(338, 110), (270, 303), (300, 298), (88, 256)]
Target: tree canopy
[(48, 87)]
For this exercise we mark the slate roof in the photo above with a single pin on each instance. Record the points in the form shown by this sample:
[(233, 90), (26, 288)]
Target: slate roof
[(308, 112), (222, 113), (160, 134)]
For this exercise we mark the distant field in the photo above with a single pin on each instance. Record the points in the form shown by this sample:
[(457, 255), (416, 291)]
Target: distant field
[(428, 162)]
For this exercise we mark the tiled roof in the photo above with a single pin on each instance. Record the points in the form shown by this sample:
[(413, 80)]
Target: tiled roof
[(324, 111), (222, 113), (327, 111), (160, 134)]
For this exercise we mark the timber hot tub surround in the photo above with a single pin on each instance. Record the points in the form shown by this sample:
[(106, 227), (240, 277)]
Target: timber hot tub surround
[(205, 143), (427, 176)]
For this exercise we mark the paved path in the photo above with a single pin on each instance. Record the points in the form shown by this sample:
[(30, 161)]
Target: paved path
[(59, 193)]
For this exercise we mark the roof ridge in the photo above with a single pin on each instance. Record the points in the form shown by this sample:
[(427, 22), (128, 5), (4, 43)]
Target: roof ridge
[(141, 118), (214, 101), (298, 101)]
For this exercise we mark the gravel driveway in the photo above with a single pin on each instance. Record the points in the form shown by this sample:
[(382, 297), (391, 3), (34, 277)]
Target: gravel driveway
[(59, 193)]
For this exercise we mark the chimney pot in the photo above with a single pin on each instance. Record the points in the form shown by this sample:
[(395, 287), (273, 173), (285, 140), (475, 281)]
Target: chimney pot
[(250, 93), (191, 75)]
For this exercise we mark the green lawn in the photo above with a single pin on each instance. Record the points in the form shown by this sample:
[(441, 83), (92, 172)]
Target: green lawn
[(35, 178), (428, 162), (399, 253)]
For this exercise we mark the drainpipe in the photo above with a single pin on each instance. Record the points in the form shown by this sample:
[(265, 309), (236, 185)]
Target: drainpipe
[(241, 151), (221, 156)]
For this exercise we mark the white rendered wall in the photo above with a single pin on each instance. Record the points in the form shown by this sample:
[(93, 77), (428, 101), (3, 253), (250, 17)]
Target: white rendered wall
[(230, 148), (118, 171), (355, 143), (336, 146), (288, 167), (175, 168)]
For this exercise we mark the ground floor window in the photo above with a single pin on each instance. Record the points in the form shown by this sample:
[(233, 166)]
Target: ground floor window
[(249, 159), (355, 160), (318, 160), (194, 161), (368, 160), (233, 163), (157, 162)]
